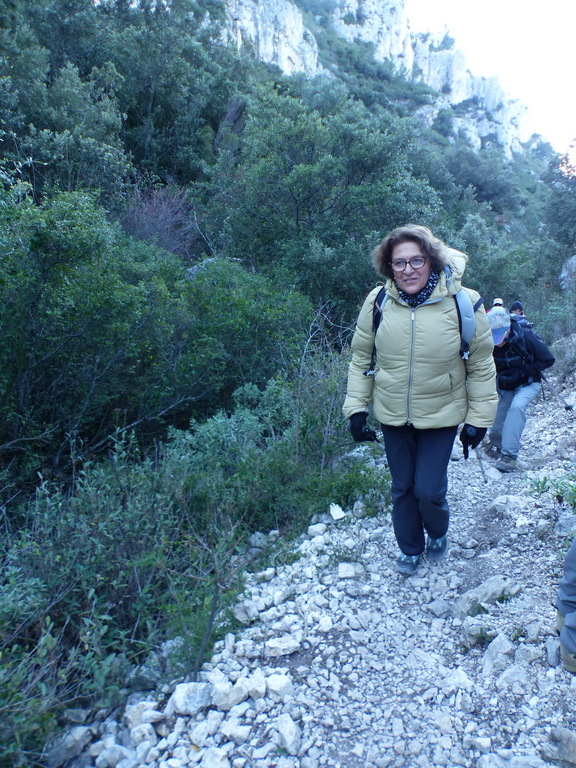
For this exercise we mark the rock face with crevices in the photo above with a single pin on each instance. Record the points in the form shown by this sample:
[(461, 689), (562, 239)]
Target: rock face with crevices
[(275, 31), (342, 662)]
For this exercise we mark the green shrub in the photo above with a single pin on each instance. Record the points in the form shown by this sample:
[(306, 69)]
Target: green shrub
[(27, 713), (563, 489), (140, 549), (120, 561)]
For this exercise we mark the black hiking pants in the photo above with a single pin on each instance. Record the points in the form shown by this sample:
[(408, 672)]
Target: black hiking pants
[(418, 461)]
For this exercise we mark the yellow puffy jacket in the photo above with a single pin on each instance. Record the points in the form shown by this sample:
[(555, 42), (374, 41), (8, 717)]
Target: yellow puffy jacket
[(420, 378)]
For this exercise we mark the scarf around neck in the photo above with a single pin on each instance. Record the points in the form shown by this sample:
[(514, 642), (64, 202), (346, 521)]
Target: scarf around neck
[(414, 300)]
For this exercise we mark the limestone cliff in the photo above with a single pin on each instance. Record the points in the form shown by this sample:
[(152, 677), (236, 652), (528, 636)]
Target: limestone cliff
[(274, 30)]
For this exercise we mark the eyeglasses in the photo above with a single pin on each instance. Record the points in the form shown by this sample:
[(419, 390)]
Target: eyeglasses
[(416, 263)]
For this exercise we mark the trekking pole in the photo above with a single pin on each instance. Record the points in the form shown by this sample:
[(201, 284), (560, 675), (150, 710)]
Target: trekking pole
[(552, 388), (481, 462), (472, 431)]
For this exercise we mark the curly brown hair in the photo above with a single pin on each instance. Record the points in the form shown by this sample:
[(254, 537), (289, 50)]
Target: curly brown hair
[(430, 246)]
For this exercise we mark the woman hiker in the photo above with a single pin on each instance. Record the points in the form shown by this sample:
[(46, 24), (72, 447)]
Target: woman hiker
[(423, 387)]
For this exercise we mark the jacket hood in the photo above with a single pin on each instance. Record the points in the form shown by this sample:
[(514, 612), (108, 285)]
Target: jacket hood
[(456, 261)]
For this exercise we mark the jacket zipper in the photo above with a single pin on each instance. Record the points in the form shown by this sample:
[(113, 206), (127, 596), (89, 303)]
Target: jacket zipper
[(412, 318)]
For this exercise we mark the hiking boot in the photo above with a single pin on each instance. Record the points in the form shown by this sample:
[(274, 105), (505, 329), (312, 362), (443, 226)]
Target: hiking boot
[(506, 464), (437, 548), (492, 450), (408, 563), (568, 660)]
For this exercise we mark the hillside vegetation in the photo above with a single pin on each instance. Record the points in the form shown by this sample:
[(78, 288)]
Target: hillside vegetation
[(185, 237)]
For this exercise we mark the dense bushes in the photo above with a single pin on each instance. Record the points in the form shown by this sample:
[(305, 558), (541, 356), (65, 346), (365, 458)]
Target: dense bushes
[(102, 333), (140, 549)]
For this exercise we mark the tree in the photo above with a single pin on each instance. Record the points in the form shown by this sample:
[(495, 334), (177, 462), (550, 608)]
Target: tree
[(310, 181), (491, 178)]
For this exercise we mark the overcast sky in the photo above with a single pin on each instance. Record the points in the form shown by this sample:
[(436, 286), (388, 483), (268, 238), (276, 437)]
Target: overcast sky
[(529, 47)]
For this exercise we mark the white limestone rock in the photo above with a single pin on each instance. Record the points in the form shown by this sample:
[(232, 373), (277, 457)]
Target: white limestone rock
[(478, 629), (562, 746), (568, 274), (111, 756), (456, 680), (520, 761), (350, 570), (498, 655), (282, 646), (510, 505), (233, 730), (318, 529), (189, 698), (565, 525), (256, 684), (276, 33), (215, 757), (247, 611), (201, 731), (288, 734), (491, 590), (336, 512), (226, 695), (143, 732), (513, 677), (527, 654), (70, 745), (325, 624)]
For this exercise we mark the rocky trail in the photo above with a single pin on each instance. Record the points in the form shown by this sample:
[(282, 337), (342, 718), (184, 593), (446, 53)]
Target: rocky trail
[(343, 662)]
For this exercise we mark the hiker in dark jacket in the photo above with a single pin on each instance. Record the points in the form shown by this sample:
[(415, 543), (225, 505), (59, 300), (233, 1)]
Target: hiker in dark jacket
[(517, 314), (520, 356)]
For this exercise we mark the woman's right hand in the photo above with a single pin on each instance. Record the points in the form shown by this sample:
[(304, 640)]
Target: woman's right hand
[(359, 430)]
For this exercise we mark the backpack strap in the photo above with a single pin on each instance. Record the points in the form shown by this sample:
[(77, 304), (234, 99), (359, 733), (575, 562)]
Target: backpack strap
[(519, 344), (466, 320), (379, 304)]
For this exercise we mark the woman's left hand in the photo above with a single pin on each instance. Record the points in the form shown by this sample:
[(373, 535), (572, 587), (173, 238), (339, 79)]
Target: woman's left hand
[(471, 437)]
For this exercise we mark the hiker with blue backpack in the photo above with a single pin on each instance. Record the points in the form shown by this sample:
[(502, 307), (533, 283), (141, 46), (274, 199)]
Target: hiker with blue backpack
[(422, 361)]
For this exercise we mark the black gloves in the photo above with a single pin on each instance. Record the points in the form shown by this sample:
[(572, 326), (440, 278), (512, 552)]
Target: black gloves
[(359, 430), (470, 437)]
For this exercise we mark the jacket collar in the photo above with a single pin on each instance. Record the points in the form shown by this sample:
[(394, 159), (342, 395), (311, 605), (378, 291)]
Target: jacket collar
[(445, 287)]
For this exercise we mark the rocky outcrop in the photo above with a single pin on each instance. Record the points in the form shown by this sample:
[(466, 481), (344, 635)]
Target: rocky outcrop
[(568, 274), (275, 31), (383, 23)]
